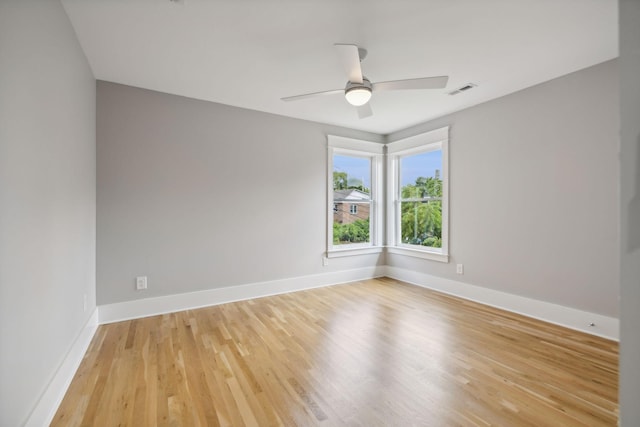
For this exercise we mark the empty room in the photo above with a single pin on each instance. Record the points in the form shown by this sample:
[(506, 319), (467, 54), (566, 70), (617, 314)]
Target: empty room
[(299, 213)]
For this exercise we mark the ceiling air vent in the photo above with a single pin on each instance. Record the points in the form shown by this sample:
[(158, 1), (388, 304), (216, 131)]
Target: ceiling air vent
[(463, 89)]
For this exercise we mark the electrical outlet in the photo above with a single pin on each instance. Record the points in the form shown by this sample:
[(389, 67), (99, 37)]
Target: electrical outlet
[(460, 269), (141, 283), (325, 261)]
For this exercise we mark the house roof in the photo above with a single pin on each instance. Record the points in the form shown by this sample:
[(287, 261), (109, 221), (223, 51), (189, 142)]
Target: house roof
[(349, 195)]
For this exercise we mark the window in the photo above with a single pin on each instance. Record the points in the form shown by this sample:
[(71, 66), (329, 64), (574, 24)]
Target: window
[(355, 173), (420, 199), (418, 207), (351, 184)]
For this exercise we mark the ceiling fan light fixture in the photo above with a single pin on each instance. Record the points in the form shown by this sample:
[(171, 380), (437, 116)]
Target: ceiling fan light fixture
[(358, 94)]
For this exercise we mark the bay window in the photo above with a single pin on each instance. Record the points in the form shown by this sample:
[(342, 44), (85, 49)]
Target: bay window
[(416, 199)]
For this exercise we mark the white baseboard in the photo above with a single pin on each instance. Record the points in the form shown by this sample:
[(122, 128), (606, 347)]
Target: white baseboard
[(171, 303), (47, 405), (606, 327)]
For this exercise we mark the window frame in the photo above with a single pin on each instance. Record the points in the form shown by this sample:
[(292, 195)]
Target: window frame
[(430, 141), (375, 153)]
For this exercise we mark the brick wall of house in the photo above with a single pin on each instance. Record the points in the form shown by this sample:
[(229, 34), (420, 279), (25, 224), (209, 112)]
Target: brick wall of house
[(342, 211)]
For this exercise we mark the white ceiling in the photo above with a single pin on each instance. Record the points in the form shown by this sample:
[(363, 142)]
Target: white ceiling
[(251, 53)]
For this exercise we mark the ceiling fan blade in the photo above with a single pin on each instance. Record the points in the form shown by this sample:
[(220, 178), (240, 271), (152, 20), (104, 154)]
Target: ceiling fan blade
[(422, 83), (364, 111), (350, 59), (312, 95)]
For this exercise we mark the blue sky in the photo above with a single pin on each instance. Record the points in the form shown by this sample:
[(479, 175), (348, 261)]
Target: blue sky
[(357, 168), (412, 167), (423, 164)]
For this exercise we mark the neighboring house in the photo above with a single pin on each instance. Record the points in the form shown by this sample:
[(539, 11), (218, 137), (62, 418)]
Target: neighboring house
[(350, 205)]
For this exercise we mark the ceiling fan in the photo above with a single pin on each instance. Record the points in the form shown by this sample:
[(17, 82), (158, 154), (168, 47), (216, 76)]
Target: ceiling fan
[(359, 89)]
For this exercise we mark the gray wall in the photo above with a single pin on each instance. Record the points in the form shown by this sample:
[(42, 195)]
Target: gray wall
[(630, 212), (197, 195), (534, 193), (47, 199)]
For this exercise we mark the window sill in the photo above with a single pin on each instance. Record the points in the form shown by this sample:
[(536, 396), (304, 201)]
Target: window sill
[(337, 253), (418, 253)]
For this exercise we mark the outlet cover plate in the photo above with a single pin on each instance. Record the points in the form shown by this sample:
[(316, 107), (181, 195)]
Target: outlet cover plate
[(141, 283)]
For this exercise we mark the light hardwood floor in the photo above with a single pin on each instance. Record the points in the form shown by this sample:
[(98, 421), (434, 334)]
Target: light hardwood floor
[(371, 353)]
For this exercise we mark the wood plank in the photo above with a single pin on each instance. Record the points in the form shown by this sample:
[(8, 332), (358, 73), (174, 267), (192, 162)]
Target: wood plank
[(376, 352)]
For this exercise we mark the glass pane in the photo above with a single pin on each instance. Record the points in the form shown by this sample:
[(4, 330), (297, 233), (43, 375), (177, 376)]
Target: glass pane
[(421, 173), (421, 199), (351, 172), (421, 223), (351, 199)]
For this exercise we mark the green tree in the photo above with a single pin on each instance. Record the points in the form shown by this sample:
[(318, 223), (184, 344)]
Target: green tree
[(421, 215), (355, 232), (340, 181)]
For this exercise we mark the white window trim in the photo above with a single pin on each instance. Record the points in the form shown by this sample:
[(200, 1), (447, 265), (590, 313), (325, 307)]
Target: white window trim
[(358, 148), (437, 139)]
